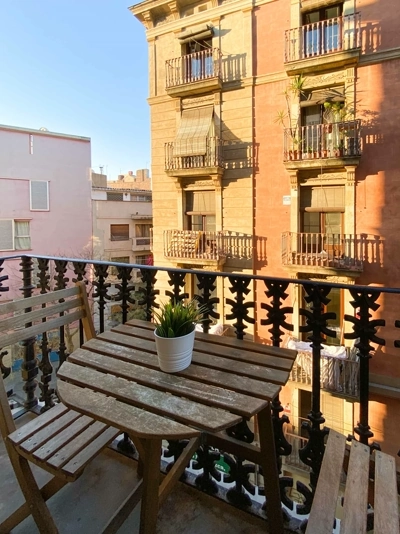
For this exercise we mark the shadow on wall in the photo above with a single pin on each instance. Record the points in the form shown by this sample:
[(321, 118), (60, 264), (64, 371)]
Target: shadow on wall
[(239, 154), (233, 67)]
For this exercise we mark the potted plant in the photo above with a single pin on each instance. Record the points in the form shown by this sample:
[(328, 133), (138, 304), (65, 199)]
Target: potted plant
[(174, 334), (289, 119)]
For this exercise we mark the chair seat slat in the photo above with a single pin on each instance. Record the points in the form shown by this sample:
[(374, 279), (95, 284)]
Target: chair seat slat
[(53, 444), (49, 431)]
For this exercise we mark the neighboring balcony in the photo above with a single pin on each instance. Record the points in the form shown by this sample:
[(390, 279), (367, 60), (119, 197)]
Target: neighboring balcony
[(338, 144), (339, 375), (331, 43), (209, 163), (195, 73), (321, 252), (140, 243), (206, 248)]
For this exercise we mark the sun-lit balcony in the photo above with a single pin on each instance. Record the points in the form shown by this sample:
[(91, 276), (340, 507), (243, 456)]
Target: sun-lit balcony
[(202, 247), (341, 252), (336, 143), (211, 162), (194, 73), (330, 43), (29, 369)]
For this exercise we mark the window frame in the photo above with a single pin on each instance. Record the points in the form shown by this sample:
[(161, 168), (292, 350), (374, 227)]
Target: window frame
[(13, 235), (121, 237)]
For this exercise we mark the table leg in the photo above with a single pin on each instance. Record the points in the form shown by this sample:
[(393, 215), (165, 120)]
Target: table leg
[(270, 471), (151, 481)]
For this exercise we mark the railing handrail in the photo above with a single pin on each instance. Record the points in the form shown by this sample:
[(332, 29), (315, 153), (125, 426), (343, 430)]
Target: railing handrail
[(193, 67), (223, 274), (334, 35), (326, 21)]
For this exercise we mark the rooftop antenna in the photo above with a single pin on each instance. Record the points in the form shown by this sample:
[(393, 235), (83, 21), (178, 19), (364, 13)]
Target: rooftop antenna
[(101, 167)]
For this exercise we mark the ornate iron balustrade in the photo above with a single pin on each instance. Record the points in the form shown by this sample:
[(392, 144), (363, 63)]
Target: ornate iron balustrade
[(333, 251), (324, 37), (321, 141), (190, 68), (203, 245), (43, 274), (211, 158)]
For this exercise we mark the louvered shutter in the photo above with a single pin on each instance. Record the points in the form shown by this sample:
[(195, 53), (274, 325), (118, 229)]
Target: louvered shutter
[(39, 195), (6, 234)]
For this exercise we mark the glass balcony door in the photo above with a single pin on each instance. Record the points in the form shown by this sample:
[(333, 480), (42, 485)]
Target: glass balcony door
[(322, 31)]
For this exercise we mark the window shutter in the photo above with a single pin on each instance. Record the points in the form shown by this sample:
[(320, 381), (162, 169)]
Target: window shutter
[(322, 198), (6, 234), (39, 195)]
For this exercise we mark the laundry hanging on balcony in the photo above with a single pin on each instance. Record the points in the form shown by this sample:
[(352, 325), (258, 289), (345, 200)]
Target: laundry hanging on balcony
[(195, 129)]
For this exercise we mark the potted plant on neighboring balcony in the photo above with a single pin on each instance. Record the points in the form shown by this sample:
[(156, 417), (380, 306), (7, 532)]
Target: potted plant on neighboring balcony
[(174, 334), (289, 119)]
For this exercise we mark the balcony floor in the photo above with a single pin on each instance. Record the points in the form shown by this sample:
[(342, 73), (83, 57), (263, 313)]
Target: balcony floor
[(86, 505)]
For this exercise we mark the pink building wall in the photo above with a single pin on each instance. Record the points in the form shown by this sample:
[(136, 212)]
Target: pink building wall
[(62, 160)]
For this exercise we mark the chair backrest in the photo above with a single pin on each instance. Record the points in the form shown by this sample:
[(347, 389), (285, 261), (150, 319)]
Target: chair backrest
[(35, 315)]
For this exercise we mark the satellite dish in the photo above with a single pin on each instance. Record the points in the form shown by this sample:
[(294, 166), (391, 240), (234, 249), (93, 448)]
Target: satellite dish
[(43, 129)]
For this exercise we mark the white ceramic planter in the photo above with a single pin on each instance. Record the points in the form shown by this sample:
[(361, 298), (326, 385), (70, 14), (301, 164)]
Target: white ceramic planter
[(174, 353)]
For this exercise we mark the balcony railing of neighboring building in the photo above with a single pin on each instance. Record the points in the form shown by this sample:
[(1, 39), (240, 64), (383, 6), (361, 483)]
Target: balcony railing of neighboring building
[(321, 141), (141, 241), (191, 244), (211, 158), (195, 67), (341, 376), (335, 251), (324, 37), (277, 313)]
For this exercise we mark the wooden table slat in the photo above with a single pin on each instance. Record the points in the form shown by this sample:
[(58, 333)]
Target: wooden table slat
[(234, 349), (129, 419), (207, 394), (259, 372), (180, 409), (241, 384)]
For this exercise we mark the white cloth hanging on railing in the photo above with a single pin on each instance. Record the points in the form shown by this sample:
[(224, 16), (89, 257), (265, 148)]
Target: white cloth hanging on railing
[(330, 362), (334, 351)]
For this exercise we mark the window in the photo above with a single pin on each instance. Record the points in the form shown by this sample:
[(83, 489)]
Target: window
[(200, 210), (119, 232), (115, 196), (39, 193), (322, 30), (142, 259), (141, 198), (113, 269), (142, 233), (31, 144), (14, 235)]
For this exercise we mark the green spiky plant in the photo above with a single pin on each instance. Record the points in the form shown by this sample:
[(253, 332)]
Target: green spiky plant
[(176, 319)]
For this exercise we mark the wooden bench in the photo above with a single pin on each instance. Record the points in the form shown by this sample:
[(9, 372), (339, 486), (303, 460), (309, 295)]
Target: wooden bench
[(354, 513), (61, 441)]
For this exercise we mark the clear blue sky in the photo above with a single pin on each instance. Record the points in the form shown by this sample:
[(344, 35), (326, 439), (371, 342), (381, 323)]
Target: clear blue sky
[(78, 67)]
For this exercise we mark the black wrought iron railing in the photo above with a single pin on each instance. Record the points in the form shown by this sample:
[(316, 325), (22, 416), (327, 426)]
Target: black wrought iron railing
[(132, 296)]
